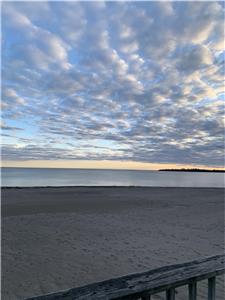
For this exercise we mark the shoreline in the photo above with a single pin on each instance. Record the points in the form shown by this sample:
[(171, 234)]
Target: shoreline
[(108, 187)]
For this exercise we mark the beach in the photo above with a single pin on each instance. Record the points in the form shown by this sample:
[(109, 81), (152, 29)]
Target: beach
[(62, 237)]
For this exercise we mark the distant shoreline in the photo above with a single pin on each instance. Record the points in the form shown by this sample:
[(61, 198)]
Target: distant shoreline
[(192, 170)]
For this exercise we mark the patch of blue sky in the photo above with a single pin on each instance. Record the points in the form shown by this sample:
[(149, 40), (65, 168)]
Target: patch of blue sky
[(28, 129), (204, 102), (113, 145), (73, 57)]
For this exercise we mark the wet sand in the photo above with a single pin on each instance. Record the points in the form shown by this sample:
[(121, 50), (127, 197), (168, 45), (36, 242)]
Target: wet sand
[(58, 238)]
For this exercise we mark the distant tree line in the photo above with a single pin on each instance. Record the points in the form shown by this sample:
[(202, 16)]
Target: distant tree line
[(193, 170)]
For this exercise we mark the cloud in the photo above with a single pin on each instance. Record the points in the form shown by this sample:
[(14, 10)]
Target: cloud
[(194, 57), (6, 127), (138, 81), (39, 47), (11, 98)]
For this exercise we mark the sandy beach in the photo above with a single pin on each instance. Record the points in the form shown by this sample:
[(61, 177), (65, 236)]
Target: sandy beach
[(58, 238)]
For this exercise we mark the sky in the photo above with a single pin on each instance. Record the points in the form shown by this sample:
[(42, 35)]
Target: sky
[(113, 84)]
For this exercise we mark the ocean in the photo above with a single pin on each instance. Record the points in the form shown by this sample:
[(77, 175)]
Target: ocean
[(29, 177)]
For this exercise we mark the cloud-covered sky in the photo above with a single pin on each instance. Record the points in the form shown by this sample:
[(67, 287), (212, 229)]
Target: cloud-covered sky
[(131, 81)]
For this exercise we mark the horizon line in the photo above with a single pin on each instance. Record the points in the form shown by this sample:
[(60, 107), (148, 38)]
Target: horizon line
[(120, 169)]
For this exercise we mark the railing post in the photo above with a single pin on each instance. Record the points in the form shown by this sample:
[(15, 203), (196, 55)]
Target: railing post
[(146, 297), (212, 288), (170, 294), (192, 287)]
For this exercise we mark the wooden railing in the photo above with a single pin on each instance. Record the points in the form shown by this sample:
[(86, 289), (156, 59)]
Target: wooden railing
[(143, 285)]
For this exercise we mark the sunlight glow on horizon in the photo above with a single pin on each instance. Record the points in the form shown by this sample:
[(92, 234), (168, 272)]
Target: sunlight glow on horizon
[(94, 164)]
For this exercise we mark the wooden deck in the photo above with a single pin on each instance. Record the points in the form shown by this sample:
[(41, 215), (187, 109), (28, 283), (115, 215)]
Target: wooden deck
[(143, 285)]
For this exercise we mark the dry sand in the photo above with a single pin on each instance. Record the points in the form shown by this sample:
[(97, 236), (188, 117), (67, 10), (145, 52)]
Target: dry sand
[(57, 238)]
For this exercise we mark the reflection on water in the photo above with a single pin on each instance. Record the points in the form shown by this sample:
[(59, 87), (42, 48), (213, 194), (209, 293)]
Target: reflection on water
[(90, 177)]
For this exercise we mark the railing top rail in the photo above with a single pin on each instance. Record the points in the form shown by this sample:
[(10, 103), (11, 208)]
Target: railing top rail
[(153, 281)]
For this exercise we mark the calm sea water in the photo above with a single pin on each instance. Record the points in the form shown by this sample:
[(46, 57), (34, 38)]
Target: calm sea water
[(83, 177)]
